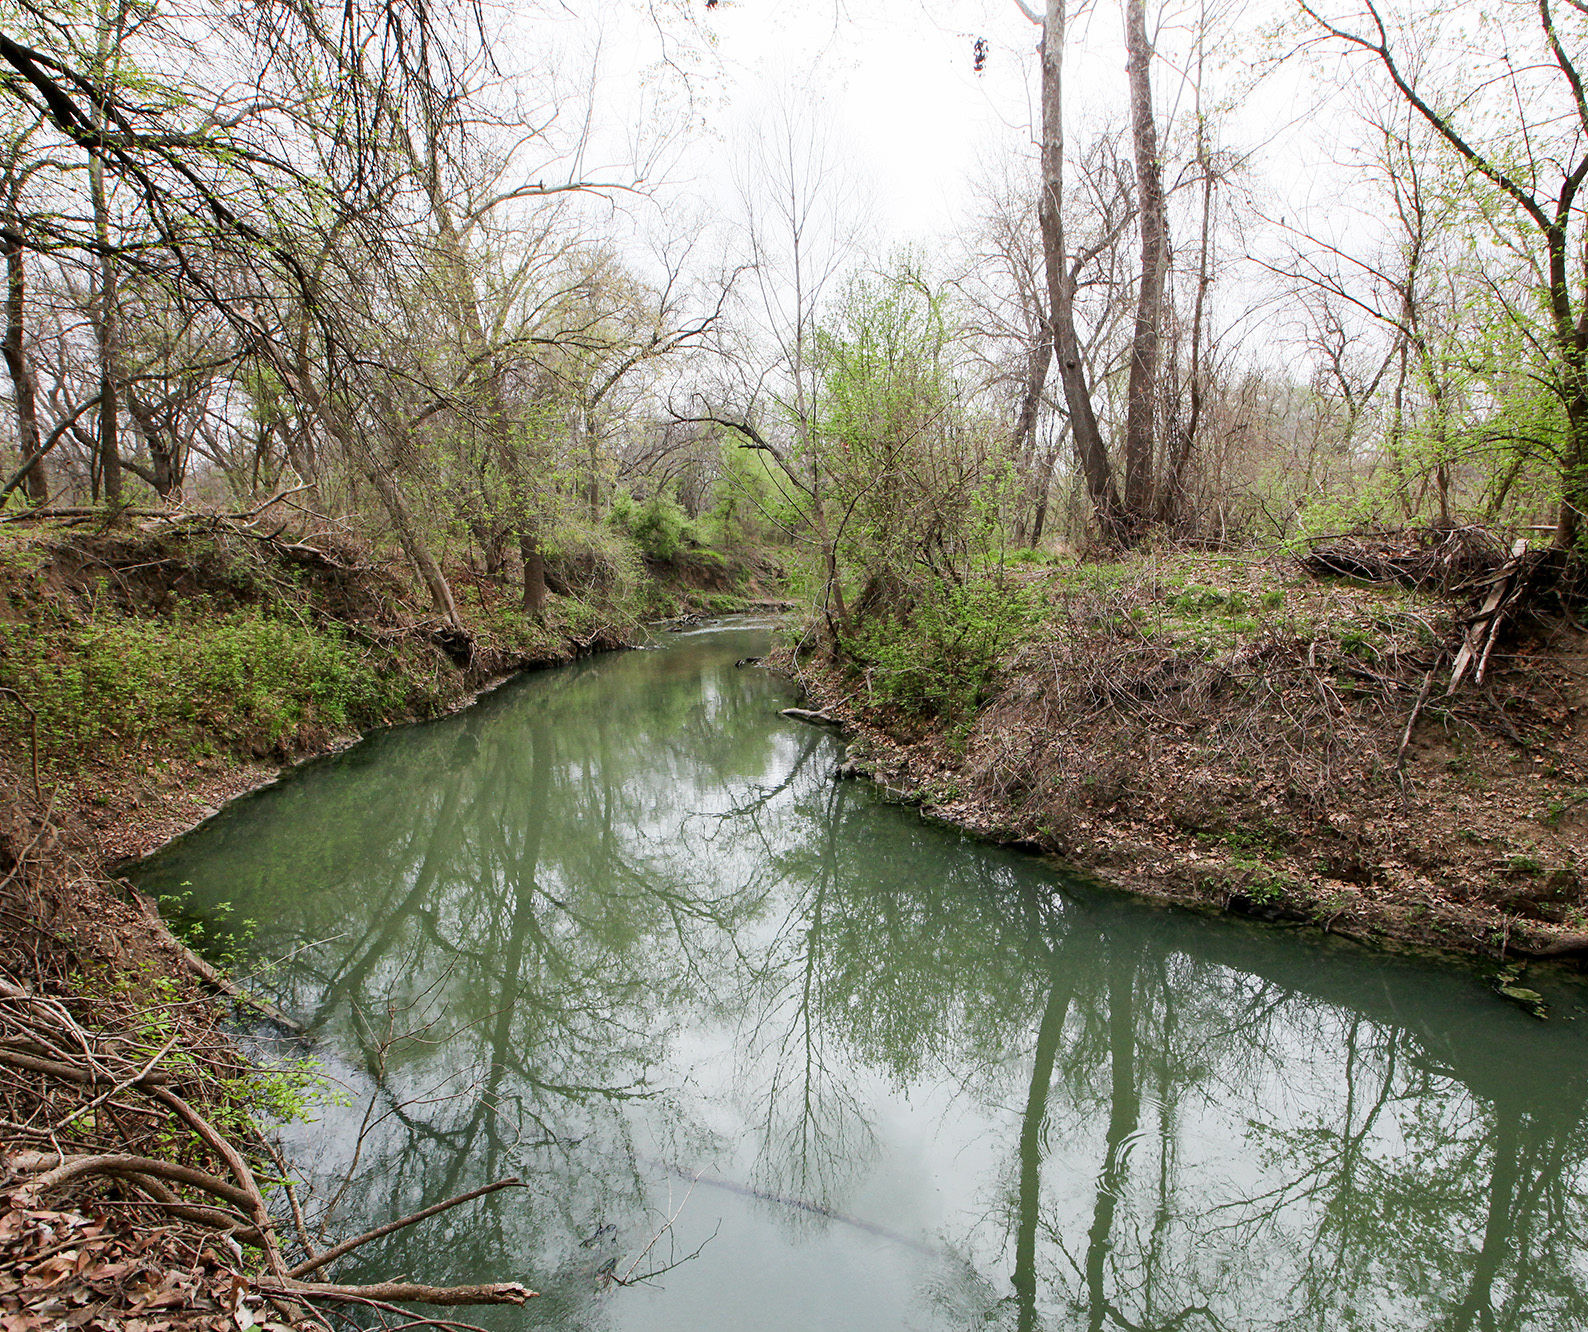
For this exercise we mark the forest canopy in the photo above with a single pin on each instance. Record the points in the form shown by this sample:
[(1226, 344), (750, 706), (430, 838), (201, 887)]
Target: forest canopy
[(490, 309)]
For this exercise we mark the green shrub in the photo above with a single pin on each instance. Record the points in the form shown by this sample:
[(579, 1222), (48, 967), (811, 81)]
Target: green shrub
[(939, 658), (659, 527), (115, 685), (593, 561)]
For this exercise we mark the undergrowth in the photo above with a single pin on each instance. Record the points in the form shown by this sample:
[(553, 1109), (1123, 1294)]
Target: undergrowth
[(115, 684), (938, 659)]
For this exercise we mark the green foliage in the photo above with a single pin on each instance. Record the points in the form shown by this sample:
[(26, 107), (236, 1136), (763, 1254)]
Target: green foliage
[(939, 658), (1196, 600), (915, 482), (592, 559), (116, 684), (658, 525), (748, 505)]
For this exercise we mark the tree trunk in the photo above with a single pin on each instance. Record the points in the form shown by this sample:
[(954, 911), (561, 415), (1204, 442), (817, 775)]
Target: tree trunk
[(534, 574), (108, 446), (1025, 433), (23, 387), (1089, 449), (1173, 490), (165, 449), (1574, 474), (1045, 481), (1141, 394), (106, 297), (415, 547)]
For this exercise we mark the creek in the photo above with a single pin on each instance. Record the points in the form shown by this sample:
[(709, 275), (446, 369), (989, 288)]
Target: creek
[(784, 1055)]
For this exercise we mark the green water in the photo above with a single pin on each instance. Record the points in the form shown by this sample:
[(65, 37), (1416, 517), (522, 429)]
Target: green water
[(617, 930)]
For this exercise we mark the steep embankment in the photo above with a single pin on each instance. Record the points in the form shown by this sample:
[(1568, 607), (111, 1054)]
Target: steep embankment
[(147, 673), (1234, 733)]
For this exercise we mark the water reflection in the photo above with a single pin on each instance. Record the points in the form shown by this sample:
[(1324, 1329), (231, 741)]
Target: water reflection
[(618, 932)]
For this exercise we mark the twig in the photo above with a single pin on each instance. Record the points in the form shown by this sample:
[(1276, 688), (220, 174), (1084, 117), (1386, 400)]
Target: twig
[(623, 1280), (239, 1168), (501, 1292), (1411, 721), (347, 1246), (33, 735), (254, 513), (121, 1086)]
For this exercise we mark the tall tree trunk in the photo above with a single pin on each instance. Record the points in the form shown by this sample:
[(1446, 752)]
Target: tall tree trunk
[(23, 388), (1141, 394), (455, 260), (1025, 433), (106, 296), (1044, 482), (108, 445), (1089, 449), (1173, 487), (534, 574), (415, 547)]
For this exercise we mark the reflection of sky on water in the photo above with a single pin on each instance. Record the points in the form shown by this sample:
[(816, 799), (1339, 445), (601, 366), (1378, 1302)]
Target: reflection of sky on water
[(617, 931)]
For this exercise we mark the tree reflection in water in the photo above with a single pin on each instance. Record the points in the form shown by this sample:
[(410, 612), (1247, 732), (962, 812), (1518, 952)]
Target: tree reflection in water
[(617, 928)]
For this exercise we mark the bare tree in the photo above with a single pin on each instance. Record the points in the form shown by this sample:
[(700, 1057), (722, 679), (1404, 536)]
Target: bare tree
[(1533, 165)]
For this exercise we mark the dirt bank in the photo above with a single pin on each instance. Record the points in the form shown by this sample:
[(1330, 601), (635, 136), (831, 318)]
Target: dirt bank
[(1232, 733), (149, 673)]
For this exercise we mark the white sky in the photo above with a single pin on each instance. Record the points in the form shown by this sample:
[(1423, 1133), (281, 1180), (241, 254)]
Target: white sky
[(895, 80)]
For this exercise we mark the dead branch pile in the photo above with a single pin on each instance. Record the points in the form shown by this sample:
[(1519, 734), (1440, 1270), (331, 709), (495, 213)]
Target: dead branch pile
[(129, 1168), (1446, 560), (1501, 584), (1306, 708)]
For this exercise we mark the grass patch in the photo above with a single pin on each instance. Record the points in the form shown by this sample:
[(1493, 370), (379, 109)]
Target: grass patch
[(114, 685), (939, 659)]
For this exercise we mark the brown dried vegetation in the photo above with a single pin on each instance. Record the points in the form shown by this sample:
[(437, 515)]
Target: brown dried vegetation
[(1238, 733)]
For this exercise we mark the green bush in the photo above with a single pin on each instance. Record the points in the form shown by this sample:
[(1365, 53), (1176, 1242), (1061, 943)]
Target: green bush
[(115, 684), (659, 527), (594, 561), (939, 658)]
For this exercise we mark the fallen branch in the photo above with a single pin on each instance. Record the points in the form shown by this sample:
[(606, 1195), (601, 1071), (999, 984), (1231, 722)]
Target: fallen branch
[(811, 716), (501, 1292), (1485, 626), (1411, 722), (70, 1073), (254, 1200), (358, 1241), (75, 1167)]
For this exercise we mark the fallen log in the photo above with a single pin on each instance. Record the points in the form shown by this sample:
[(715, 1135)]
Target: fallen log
[(407, 1292), (811, 716)]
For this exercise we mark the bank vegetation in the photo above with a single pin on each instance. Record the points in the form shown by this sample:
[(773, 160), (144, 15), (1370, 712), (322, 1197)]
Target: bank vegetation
[(1230, 551)]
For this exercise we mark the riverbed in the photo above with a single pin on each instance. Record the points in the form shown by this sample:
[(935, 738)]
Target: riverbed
[(770, 1052)]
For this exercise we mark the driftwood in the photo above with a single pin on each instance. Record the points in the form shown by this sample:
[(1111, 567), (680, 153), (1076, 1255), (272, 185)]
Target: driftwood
[(406, 1292), (1484, 627), (810, 715)]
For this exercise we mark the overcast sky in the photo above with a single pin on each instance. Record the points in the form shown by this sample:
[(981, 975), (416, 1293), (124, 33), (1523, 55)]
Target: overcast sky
[(896, 81)]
